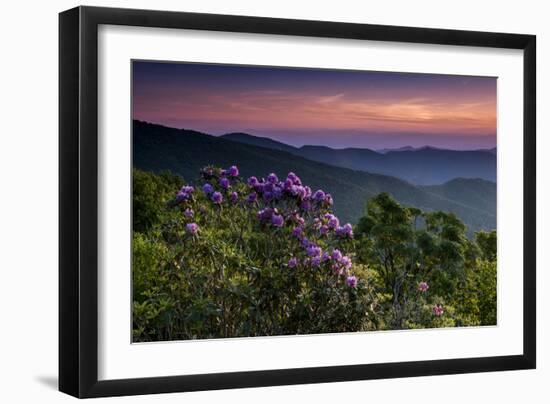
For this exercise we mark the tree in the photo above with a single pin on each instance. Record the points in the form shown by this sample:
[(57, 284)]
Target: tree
[(406, 247), (487, 242), (476, 299)]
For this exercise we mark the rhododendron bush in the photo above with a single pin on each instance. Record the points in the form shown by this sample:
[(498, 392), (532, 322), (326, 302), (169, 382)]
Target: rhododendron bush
[(248, 258), (226, 256)]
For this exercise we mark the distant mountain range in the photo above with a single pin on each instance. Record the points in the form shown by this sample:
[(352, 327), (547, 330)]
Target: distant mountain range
[(404, 148), (422, 166), (185, 152), (410, 148)]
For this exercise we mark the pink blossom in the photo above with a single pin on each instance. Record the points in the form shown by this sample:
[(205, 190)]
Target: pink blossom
[(192, 228), (337, 269), (346, 262), (336, 255), (438, 310)]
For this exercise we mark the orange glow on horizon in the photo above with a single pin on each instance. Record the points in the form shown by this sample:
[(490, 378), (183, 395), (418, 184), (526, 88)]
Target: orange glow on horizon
[(260, 109)]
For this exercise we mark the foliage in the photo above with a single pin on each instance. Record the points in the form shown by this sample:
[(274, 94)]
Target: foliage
[(234, 258), (429, 274), (150, 195), (487, 242)]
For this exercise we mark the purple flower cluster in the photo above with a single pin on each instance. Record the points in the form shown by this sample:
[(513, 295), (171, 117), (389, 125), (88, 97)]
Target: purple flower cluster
[(207, 188), (277, 220), (289, 201), (438, 310), (284, 204), (330, 222), (212, 172), (192, 228), (351, 281), (315, 256), (298, 199), (223, 180), (313, 250), (345, 231), (217, 197), (319, 195), (272, 189), (224, 183), (265, 214), (423, 287), (253, 182), (214, 178), (297, 231), (184, 193), (336, 255), (340, 264), (271, 216)]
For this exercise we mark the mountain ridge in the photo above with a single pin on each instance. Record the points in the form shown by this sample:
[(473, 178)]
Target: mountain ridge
[(185, 152), (426, 165)]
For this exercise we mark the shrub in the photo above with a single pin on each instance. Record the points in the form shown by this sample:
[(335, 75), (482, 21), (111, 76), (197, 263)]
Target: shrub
[(232, 258), (228, 257)]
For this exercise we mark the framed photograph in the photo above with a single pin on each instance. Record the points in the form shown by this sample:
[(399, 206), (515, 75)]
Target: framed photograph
[(251, 201)]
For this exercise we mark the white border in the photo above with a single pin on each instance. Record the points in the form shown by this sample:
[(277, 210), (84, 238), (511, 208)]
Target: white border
[(117, 45)]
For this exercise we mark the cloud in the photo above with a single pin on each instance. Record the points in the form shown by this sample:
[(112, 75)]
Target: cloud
[(272, 109)]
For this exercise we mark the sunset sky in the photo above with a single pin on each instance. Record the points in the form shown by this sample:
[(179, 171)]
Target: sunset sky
[(337, 108)]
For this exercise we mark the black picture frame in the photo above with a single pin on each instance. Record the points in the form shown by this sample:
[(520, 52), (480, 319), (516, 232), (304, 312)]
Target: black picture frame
[(78, 201)]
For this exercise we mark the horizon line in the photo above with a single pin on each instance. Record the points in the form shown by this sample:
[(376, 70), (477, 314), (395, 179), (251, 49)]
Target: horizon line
[(375, 149)]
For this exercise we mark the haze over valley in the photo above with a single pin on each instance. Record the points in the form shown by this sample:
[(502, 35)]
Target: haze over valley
[(343, 173)]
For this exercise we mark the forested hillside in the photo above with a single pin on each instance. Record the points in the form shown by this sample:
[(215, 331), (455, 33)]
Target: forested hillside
[(184, 152)]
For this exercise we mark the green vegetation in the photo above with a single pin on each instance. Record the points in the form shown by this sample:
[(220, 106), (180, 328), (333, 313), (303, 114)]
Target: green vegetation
[(150, 195), (227, 260), (422, 260)]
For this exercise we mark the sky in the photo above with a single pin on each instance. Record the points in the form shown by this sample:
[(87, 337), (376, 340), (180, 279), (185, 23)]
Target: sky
[(336, 108)]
